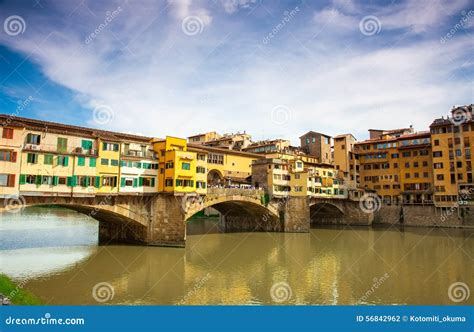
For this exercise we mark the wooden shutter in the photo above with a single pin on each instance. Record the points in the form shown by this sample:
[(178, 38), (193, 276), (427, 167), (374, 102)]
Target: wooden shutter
[(11, 180)]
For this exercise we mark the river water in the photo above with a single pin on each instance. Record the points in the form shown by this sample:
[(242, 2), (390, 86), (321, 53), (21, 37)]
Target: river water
[(53, 253)]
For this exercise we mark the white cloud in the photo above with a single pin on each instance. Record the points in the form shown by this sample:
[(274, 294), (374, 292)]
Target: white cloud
[(161, 82), (231, 6)]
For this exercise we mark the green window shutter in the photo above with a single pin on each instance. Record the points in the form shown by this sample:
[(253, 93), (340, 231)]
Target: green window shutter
[(85, 144), (55, 180), (74, 180), (92, 162), (81, 161), (123, 163), (152, 182), (140, 181), (66, 160), (139, 165), (38, 180), (130, 164), (29, 158), (122, 182), (135, 182), (48, 159), (22, 178), (97, 181)]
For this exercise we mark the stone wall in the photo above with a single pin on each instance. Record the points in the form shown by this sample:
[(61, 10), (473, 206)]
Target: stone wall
[(423, 215), (296, 217), (168, 226)]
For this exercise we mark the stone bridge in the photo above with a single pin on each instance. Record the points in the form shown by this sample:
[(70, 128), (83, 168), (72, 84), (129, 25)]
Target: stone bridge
[(160, 219)]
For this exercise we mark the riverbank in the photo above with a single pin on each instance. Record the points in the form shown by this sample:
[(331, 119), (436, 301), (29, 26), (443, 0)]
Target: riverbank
[(15, 292)]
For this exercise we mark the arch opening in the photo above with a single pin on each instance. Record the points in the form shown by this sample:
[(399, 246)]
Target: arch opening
[(241, 216), (325, 213), (215, 178)]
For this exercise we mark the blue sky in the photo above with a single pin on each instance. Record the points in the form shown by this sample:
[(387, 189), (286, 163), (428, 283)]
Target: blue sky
[(272, 68)]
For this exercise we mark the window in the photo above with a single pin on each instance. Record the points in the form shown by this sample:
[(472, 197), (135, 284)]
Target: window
[(32, 158), (7, 133), (437, 154), (438, 165), (7, 180), (201, 169), (81, 161), (3, 179), (63, 160), (47, 180), (406, 154), (215, 159), (168, 182), (114, 162), (31, 179), (104, 162), (6, 155), (92, 162), (86, 144), (110, 146), (186, 166), (395, 155), (200, 185), (48, 159), (62, 144), (62, 180), (436, 142), (147, 182), (109, 181), (33, 139), (169, 165)]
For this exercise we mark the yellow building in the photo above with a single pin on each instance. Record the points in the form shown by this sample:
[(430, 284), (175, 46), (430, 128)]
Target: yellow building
[(177, 165), (397, 167), (451, 140)]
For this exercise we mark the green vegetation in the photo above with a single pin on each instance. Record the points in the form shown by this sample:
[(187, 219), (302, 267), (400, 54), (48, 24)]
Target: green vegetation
[(16, 293)]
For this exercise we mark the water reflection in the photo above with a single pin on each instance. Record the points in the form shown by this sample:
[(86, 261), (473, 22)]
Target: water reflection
[(326, 266)]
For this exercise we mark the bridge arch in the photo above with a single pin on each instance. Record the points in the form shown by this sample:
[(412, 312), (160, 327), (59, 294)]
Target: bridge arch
[(117, 221), (325, 213), (240, 209)]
